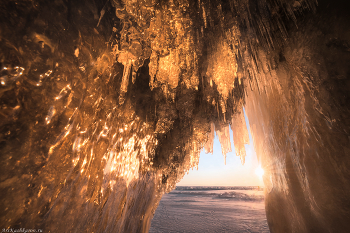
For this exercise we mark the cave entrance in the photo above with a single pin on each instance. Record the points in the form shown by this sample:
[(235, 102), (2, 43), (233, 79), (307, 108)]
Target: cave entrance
[(216, 197)]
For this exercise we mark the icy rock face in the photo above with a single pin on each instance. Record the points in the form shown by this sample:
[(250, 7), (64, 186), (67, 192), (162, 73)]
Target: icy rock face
[(106, 105), (300, 123)]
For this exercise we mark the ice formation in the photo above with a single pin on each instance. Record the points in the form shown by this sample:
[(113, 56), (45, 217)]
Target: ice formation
[(105, 105)]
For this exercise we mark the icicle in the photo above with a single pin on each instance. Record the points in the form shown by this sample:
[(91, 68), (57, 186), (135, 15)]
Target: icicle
[(133, 75), (208, 147), (223, 106), (204, 17), (224, 138), (125, 82), (153, 68), (240, 135)]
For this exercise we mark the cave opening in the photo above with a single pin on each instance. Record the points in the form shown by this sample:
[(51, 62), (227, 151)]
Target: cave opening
[(213, 170), (216, 196)]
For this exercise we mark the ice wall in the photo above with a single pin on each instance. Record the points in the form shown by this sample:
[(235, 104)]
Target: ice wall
[(300, 121), (106, 105)]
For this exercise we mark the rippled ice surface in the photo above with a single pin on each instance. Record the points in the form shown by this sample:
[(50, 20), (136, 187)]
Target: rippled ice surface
[(211, 209)]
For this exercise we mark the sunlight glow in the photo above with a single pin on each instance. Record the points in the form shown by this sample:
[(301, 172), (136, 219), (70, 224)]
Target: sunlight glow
[(259, 172)]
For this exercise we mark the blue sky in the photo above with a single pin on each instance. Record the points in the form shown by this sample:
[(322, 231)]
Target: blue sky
[(212, 170)]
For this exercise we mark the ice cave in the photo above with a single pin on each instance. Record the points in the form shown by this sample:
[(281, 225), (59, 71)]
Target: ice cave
[(106, 104)]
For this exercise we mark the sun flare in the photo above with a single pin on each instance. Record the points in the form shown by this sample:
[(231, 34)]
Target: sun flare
[(259, 172)]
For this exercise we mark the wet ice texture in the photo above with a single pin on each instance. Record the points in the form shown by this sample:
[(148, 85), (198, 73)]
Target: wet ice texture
[(105, 106)]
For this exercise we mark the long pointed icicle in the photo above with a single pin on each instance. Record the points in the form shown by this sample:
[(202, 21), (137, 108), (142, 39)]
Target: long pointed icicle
[(224, 138), (208, 147), (240, 135), (125, 82)]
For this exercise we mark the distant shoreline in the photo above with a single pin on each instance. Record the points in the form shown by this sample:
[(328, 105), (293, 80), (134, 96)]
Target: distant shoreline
[(219, 188)]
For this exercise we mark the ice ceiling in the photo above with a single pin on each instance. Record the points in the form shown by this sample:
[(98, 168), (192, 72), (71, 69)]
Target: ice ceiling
[(105, 105)]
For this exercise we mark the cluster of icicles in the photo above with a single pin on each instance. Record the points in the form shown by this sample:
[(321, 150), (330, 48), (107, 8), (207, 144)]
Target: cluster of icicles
[(173, 41)]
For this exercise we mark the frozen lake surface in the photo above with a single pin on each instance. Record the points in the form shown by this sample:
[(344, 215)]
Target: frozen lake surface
[(211, 209)]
